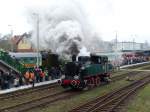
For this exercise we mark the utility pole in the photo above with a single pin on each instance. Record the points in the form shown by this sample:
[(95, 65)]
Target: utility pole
[(116, 50), (37, 34), (116, 40), (38, 40)]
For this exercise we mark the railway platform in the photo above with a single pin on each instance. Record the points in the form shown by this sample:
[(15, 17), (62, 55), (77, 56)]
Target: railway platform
[(126, 66), (27, 86)]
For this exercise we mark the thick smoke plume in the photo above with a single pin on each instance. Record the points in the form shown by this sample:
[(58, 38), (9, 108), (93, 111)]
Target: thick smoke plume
[(64, 28)]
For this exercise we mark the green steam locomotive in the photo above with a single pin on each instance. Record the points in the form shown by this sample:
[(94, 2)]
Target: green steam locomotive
[(87, 72)]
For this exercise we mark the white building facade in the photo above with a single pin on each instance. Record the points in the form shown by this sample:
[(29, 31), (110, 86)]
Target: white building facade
[(130, 46)]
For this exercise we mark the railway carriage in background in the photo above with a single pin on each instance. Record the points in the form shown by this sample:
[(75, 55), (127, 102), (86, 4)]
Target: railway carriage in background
[(29, 59), (86, 72), (49, 59)]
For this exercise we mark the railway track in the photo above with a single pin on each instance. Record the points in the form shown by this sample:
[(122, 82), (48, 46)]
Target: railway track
[(23, 107), (27, 91), (110, 101)]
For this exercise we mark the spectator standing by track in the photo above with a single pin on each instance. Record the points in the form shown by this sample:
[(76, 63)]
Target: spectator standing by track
[(49, 74), (58, 72), (11, 78), (31, 78), (37, 74), (53, 73), (46, 74), (42, 75), (5, 80), (16, 81), (26, 75), (21, 80), (1, 75), (2, 82)]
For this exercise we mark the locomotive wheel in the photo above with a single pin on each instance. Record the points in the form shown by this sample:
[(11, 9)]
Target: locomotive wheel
[(97, 81), (88, 85), (91, 83)]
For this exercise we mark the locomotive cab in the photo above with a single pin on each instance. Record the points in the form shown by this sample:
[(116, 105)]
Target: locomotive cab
[(83, 59), (99, 59)]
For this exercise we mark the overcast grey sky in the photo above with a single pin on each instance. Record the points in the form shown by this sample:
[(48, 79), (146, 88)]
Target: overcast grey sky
[(129, 18)]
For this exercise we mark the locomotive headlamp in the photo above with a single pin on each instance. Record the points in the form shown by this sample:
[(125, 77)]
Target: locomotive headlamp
[(62, 77), (76, 77)]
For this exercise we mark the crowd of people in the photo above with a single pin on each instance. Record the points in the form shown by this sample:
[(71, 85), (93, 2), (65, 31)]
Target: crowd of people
[(31, 76), (130, 59)]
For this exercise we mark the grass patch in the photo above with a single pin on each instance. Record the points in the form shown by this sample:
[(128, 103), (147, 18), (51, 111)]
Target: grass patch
[(141, 102), (119, 72), (145, 67)]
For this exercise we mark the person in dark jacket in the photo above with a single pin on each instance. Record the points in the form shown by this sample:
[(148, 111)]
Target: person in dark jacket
[(20, 80), (37, 74), (5, 80), (8, 80), (53, 73), (2, 82), (58, 72), (1, 74)]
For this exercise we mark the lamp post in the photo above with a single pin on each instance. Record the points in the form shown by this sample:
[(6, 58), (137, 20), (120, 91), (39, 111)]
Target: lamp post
[(11, 37), (37, 35), (116, 51)]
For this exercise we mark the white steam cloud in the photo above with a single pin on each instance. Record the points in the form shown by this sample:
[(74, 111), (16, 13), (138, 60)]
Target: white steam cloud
[(64, 28)]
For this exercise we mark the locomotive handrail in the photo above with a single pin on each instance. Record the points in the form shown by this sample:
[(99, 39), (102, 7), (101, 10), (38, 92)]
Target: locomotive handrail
[(4, 56)]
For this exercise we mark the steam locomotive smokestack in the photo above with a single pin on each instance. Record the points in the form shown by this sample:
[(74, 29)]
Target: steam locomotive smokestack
[(74, 58)]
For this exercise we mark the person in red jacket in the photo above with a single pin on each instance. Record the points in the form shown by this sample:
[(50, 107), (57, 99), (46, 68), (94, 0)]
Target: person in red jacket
[(31, 78), (42, 75), (26, 75)]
